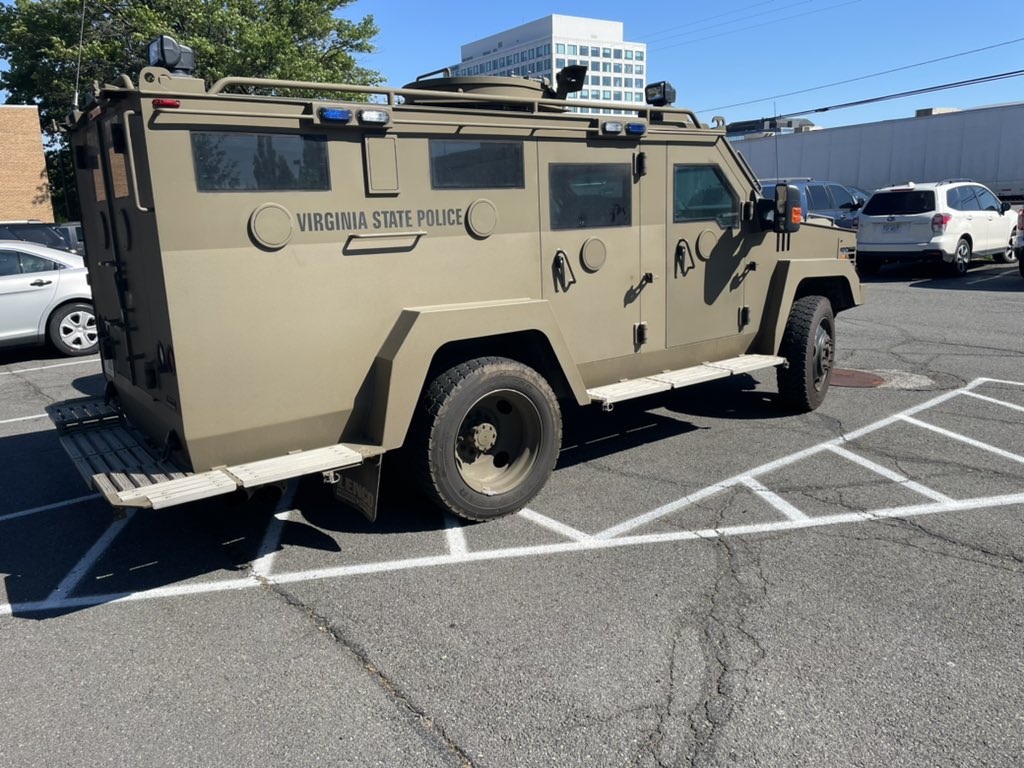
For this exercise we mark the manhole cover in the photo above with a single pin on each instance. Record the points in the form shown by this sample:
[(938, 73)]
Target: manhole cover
[(844, 377)]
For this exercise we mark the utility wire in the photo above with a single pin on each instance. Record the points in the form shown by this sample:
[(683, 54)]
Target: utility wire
[(904, 94), (865, 77), (706, 18), (670, 32)]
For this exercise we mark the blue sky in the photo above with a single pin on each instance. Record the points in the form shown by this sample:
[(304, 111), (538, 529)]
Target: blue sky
[(731, 51)]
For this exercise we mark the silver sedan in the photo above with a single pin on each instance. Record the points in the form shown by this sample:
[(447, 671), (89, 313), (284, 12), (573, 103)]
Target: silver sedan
[(44, 296)]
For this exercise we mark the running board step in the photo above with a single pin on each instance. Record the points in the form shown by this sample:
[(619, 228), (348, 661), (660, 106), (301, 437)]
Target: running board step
[(610, 394), (118, 462)]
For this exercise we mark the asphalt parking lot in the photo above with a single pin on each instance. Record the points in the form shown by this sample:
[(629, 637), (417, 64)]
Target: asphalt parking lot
[(707, 581)]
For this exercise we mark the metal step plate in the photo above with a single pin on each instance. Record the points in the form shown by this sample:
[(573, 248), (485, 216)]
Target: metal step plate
[(684, 377), (293, 465)]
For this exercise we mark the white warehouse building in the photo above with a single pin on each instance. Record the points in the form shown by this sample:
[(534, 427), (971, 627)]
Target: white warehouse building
[(616, 68)]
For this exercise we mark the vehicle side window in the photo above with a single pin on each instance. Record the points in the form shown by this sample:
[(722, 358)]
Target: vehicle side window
[(987, 200), (968, 200), (818, 197), (9, 264), (32, 263), (842, 198), (255, 162), (585, 195), (700, 193), (476, 164), (953, 198)]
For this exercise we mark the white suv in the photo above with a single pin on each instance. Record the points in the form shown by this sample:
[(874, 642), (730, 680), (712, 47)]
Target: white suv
[(948, 221), (1018, 251)]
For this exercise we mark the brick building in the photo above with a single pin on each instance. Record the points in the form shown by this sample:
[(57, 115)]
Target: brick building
[(24, 188)]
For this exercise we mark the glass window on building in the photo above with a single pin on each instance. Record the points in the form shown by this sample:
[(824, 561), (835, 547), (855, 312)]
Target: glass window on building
[(639, 69), (629, 55), (595, 80), (617, 67), (606, 81), (617, 53), (606, 95), (571, 50), (628, 69), (584, 50), (559, 47), (606, 66), (629, 82), (595, 95), (547, 48), (572, 62), (559, 63), (617, 82), (638, 96), (585, 94), (606, 53), (617, 95), (639, 55)]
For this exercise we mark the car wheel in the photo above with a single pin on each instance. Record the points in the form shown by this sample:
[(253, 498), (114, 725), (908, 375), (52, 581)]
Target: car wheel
[(808, 345), (72, 329), (1009, 255), (486, 437), (961, 258)]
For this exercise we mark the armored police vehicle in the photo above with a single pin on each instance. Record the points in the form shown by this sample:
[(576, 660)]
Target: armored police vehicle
[(288, 284)]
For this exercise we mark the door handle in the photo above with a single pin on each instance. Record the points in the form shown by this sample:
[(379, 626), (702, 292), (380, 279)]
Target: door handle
[(39, 283)]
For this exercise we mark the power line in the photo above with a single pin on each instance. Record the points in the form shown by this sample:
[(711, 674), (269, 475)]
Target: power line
[(865, 77), (706, 18), (669, 32), (904, 94)]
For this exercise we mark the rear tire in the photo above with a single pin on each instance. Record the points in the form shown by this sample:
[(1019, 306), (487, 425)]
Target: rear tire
[(808, 345), (486, 437), (72, 329), (961, 258)]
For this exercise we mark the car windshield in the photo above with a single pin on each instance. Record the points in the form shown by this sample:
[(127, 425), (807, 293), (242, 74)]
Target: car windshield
[(47, 236), (900, 203)]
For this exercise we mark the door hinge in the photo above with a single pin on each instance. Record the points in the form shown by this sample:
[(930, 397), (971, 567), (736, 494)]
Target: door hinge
[(639, 334)]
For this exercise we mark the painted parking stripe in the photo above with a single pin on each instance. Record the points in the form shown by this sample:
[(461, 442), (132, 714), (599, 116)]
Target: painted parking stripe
[(896, 477), (24, 418), (48, 507), (271, 543), (455, 536), (964, 439), (774, 499), (46, 367), (994, 401), (551, 524), (592, 543), (69, 582)]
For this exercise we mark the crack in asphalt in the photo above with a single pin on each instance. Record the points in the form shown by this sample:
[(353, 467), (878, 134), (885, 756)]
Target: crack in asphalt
[(390, 687)]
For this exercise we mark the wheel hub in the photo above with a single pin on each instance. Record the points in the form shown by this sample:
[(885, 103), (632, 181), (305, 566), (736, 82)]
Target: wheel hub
[(484, 436)]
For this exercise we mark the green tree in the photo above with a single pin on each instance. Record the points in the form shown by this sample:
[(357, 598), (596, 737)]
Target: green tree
[(286, 39)]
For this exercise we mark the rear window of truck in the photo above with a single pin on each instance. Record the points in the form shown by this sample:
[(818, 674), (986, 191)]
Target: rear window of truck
[(901, 203)]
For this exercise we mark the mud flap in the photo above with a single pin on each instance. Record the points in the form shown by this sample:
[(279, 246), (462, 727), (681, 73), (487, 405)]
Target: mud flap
[(358, 487)]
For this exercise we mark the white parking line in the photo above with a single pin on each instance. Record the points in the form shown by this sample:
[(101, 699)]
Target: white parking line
[(46, 367), (264, 562), (994, 401), (555, 525), (774, 499), (69, 582), (964, 439), (456, 537), (24, 418), (896, 477), (593, 543), (48, 507)]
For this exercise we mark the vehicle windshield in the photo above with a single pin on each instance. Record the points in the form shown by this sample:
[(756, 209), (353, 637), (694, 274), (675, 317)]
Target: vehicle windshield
[(901, 203), (47, 236)]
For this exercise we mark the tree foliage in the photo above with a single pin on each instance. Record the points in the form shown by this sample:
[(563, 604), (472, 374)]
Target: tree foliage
[(287, 39)]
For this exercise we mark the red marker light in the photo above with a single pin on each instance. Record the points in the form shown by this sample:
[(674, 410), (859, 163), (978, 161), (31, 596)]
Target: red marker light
[(166, 103)]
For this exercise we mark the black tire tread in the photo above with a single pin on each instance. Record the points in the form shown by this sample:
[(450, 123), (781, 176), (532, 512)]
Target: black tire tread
[(435, 398), (795, 391)]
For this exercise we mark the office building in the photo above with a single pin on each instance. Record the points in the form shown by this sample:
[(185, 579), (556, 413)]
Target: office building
[(616, 68)]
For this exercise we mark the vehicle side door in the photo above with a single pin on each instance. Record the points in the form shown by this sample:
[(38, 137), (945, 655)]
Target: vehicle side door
[(590, 247), (28, 284), (706, 252), (819, 203), (972, 221), (998, 231), (845, 205)]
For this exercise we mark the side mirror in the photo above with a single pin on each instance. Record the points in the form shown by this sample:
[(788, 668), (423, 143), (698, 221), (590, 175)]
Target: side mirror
[(788, 209), (1004, 207)]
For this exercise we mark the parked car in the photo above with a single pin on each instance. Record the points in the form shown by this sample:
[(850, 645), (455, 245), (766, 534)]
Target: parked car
[(74, 234), (822, 199), (34, 232), (1018, 250), (44, 296), (948, 222)]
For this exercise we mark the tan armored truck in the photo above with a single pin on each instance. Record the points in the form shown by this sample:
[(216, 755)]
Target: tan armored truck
[(299, 284)]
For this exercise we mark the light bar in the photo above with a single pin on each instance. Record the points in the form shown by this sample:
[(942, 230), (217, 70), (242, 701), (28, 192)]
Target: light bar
[(376, 116), (636, 129), (333, 115), (611, 127)]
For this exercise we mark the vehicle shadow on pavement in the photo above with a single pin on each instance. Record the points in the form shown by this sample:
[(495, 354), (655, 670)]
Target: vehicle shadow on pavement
[(734, 398), (983, 276)]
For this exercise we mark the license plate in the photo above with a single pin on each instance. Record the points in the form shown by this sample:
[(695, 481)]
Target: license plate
[(890, 227)]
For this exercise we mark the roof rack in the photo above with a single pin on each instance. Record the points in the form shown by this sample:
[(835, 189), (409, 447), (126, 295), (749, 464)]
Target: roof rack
[(951, 181)]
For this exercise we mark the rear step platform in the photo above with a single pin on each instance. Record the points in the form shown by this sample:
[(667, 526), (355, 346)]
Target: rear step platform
[(116, 460), (610, 394)]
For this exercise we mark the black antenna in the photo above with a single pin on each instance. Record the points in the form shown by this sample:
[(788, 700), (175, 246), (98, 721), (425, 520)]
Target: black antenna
[(775, 109), (78, 71)]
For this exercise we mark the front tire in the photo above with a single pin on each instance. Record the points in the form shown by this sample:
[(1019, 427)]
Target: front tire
[(1009, 255), (486, 437), (808, 345), (72, 329)]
